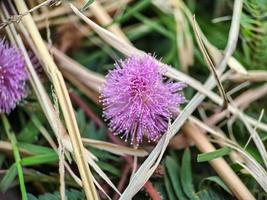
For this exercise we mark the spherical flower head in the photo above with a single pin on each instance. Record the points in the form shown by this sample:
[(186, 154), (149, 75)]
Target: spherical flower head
[(138, 101), (13, 77)]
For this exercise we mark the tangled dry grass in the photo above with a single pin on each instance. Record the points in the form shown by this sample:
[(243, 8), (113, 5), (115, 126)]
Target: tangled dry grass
[(24, 27)]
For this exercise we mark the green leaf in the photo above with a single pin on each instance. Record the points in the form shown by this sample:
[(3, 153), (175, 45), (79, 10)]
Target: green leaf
[(186, 176), (40, 159), (210, 194), (8, 178), (87, 4), (75, 195), (169, 188), (173, 171), (49, 196), (31, 197), (213, 155), (216, 180), (35, 149)]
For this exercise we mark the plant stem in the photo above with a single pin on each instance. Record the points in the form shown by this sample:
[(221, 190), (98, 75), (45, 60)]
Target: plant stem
[(11, 136)]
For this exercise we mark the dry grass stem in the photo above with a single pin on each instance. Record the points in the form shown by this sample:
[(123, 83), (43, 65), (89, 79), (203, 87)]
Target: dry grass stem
[(89, 78), (183, 38), (252, 76), (200, 132), (40, 92), (210, 64), (61, 15), (64, 100), (242, 101), (256, 138), (233, 34), (60, 150), (114, 148), (254, 130)]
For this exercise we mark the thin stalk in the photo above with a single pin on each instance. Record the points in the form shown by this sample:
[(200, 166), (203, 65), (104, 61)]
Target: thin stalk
[(11, 136)]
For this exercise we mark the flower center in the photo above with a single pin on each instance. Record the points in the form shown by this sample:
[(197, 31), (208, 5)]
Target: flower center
[(138, 84), (140, 89)]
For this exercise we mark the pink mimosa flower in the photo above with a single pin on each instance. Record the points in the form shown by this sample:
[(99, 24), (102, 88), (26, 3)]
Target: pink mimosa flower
[(138, 101), (13, 77)]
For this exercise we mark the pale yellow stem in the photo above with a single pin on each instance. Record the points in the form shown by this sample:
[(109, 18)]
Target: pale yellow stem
[(64, 100)]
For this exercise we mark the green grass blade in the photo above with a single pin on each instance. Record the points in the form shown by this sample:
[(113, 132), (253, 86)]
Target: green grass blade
[(216, 180), (169, 188), (40, 159), (11, 136), (186, 176), (213, 155), (173, 172), (35, 149), (8, 178)]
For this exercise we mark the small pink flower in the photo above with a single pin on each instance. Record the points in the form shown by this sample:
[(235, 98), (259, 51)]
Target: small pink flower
[(13, 77), (138, 101)]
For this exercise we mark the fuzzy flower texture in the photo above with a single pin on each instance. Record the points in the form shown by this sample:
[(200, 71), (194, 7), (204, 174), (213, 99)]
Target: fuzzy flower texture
[(13, 77), (138, 101)]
